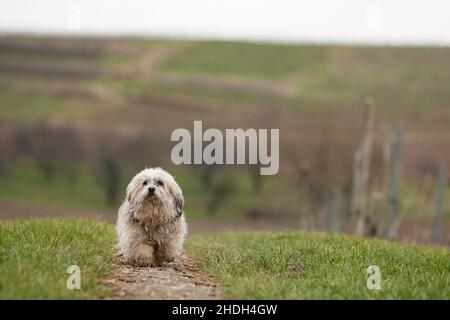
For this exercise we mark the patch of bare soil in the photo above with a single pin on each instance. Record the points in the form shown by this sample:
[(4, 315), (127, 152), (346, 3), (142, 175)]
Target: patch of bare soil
[(420, 232), (178, 280)]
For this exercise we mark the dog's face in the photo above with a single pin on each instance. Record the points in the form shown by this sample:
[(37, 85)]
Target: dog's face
[(154, 196)]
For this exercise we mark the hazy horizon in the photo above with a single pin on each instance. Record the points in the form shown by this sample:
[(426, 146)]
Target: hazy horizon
[(355, 22)]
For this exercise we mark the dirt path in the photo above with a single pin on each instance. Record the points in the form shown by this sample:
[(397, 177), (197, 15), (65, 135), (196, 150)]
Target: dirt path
[(178, 280)]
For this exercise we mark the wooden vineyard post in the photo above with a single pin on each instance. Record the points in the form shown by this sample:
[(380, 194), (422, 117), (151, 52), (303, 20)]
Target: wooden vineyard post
[(361, 170), (392, 197), (436, 231)]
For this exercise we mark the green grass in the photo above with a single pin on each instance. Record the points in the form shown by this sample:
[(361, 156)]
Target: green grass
[(35, 254), (297, 265)]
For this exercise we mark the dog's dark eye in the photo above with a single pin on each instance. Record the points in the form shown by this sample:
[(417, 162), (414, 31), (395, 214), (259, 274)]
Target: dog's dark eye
[(159, 183), (145, 182)]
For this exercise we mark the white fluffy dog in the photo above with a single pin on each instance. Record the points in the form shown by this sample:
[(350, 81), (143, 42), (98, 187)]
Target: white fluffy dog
[(151, 226)]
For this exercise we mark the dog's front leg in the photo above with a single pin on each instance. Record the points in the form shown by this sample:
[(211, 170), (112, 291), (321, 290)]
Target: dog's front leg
[(143, 254), (167, 251)]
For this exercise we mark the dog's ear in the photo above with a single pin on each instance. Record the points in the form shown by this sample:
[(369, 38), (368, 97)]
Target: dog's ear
[(128, 194), (179, 201), (131, 206)]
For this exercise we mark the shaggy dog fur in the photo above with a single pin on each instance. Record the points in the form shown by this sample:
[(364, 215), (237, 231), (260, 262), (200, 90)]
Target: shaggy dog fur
[(151, 226)]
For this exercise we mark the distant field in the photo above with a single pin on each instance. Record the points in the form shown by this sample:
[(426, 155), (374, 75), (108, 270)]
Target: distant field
[(402, 80), (122, 98), (330, 76), (295, 265), (35, 255), (37, 106), (252, 60)]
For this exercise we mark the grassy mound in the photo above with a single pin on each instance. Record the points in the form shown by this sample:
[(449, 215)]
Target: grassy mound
[(35, 255), (297, 265)]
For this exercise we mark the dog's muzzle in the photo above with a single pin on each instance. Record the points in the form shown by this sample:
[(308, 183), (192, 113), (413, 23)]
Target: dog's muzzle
[(151, 191)]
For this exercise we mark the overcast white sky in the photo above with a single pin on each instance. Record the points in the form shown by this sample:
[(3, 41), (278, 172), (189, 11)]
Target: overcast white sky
[(359, 21)]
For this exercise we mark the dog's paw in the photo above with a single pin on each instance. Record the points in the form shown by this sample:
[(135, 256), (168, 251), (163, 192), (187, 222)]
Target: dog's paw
[(163, 261), (142, 261)]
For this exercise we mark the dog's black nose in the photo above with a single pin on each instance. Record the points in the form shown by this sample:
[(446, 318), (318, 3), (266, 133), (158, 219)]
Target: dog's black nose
[(151, 190)]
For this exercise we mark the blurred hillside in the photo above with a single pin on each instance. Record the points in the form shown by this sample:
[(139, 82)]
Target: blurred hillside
[(78, 117)]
